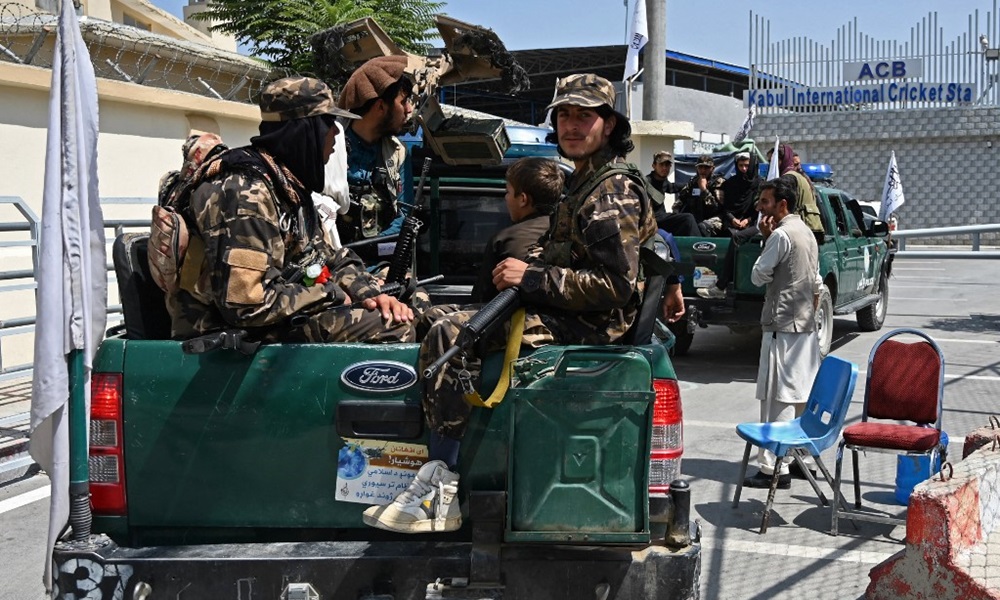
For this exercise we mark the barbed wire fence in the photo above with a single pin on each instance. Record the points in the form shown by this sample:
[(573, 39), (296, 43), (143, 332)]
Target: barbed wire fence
[(125, 53)]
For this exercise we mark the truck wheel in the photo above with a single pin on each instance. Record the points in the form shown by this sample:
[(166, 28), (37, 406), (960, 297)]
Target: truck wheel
[(824, 320), (871, 317), (682, 336)]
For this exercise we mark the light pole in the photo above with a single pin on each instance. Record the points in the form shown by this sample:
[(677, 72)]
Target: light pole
[(654, 77)]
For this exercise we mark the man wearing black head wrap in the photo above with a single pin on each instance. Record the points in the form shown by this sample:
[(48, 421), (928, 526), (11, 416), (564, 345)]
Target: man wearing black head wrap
[(739, 216), (258, 259)]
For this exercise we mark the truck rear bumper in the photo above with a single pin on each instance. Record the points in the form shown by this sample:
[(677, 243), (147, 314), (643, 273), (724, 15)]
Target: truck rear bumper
[(385, 570)]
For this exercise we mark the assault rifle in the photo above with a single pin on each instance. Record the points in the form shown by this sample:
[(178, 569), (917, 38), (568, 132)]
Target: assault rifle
[(406, 244), (492, 314)]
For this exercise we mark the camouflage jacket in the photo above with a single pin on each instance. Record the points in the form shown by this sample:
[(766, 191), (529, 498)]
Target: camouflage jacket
[(702, 206), (249, 249), (583, 275)]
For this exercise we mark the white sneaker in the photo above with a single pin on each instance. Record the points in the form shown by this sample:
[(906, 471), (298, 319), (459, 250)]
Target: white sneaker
[(428, 505), (712, 293)]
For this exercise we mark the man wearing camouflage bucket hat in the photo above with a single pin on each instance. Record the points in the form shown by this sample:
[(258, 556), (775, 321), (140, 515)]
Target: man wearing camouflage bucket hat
[(579, 285), (257, 258)]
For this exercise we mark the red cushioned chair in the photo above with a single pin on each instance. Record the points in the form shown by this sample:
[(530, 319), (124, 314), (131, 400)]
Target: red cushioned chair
[(905, 383)]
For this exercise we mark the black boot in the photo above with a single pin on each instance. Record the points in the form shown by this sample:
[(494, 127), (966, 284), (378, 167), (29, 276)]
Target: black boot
[(763, 480)]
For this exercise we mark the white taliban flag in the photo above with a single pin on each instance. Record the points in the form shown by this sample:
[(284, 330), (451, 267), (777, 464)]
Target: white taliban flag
[(772, 170), (747, 125), (892, 191), (638, 36), (72, 272)]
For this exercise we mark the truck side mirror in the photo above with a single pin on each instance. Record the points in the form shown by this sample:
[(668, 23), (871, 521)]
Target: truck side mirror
[(880, 228)]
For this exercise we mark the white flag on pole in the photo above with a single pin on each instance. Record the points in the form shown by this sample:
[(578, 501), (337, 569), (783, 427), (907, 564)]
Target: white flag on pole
[(638, 36), (892, 191), (72, 273), (772, 170), (747, 125)]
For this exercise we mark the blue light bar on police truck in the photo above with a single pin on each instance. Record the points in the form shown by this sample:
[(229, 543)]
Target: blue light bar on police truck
[(818, 172)]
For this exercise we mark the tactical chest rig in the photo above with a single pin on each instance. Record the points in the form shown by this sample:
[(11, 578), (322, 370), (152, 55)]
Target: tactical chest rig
[(373, 202)]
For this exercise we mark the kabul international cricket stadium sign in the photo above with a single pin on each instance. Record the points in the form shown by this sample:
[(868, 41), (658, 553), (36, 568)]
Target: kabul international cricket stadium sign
[(869, 82)]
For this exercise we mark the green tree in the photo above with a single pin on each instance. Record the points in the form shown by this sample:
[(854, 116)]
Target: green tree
[(280, 30)]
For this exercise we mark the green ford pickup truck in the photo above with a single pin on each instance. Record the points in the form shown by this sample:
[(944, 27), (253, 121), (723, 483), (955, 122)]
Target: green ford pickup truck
[(224, 474), (854, 261)]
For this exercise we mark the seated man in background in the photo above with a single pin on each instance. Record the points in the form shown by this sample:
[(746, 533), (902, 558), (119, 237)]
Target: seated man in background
[(534, 186), (676, 223), (702, 198), (740, 217)]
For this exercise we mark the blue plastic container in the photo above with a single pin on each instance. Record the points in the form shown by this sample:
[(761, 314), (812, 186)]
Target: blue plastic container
[(911, 470)]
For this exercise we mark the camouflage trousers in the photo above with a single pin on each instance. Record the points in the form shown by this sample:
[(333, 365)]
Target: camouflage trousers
[(344, 324), (445, 408)]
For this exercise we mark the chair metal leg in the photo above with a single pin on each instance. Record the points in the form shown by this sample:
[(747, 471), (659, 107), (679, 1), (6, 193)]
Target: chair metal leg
[(810, 478), (770, 496), (857, 481), (830, 481), (838, 498), (743, 474)]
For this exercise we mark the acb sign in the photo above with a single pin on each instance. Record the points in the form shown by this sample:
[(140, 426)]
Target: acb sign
[(883, 69)]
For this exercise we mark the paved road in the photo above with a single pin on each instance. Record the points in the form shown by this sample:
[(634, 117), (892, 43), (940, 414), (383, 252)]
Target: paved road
[(955, 301)]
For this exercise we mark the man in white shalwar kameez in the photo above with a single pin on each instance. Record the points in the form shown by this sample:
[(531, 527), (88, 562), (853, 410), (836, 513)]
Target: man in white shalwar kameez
[(789, 351)]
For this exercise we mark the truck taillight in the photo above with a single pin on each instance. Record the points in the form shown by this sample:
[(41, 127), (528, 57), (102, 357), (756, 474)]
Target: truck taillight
[(106, 459), (668, 436)]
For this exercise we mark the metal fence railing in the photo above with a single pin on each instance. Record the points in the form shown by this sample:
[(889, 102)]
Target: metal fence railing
[(804, 74), (973, 231), (19, 279)]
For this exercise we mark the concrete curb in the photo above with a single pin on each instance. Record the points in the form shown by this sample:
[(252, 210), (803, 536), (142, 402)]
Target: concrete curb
[(949, 551)]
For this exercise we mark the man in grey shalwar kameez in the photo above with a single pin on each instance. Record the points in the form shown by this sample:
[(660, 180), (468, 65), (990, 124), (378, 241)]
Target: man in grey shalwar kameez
[(789, 351)]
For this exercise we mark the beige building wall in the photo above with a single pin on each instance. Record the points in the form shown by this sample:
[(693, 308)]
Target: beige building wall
[(141, 131)]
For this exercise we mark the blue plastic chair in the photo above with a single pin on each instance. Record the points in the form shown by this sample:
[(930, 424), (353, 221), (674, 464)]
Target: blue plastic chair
[(816, 430)]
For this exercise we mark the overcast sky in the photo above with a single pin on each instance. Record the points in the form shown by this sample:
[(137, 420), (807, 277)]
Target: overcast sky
[(718, 30)]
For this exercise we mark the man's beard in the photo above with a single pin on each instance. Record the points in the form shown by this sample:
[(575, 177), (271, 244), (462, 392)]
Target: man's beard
[(385, 126)]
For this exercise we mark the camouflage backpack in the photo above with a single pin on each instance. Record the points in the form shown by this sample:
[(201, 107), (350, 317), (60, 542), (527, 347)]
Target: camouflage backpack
[(168, 237)]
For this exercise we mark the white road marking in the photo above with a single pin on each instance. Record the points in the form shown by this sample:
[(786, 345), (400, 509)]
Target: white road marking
[(930, 299), (24, 499), (894, 269), (798, 551), (954, 341)]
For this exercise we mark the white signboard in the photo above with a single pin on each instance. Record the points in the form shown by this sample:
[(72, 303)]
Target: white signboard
[(874, 93), (376, 471), (878, 70)]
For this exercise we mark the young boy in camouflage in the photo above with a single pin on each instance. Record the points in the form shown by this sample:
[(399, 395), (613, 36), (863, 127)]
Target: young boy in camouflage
[(258, 258), (580, 285)]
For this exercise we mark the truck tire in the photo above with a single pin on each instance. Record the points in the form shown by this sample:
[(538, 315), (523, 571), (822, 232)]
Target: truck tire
[(683, 336), (824, 320), (871, 317)]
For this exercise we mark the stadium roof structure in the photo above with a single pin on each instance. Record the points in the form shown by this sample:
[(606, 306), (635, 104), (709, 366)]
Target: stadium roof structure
[(544, 66)]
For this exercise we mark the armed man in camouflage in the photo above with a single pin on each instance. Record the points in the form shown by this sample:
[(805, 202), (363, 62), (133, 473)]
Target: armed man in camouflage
[(580, 285), (258, 258), (380, 92)]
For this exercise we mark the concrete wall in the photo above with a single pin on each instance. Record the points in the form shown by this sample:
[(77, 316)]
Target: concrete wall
[(947, 158), (141, 131), (711, 115)]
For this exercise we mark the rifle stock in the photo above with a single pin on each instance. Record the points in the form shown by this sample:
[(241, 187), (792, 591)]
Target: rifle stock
[(492, 314)]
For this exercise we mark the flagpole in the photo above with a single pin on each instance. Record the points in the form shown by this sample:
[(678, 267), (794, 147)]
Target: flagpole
[(80, 516)]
